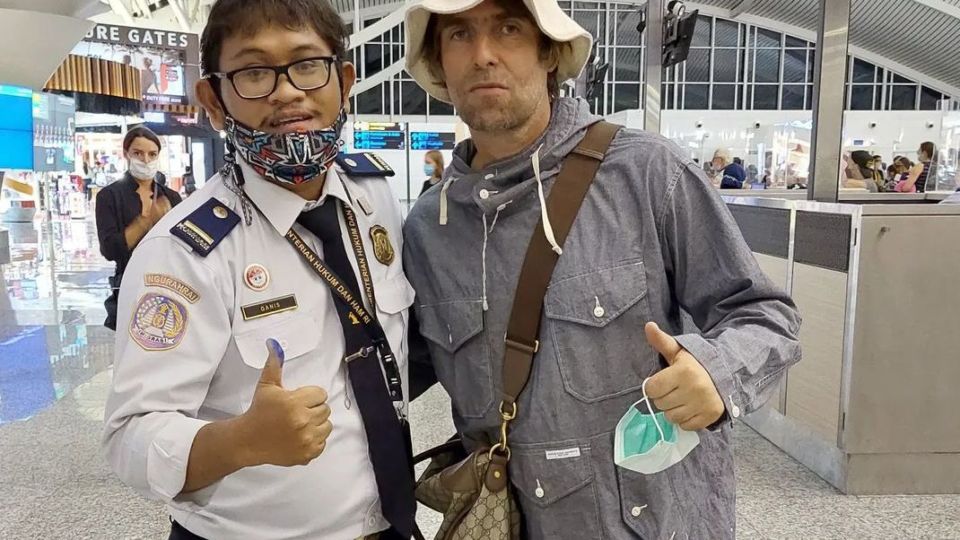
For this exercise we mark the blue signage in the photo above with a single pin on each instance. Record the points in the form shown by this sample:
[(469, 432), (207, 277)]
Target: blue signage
[(431, 140), (379, 136)]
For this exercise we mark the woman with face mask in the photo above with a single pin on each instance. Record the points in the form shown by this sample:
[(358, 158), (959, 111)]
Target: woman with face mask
[(433, 169), (128, 209)]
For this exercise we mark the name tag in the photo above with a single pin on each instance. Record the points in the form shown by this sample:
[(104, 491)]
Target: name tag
[(270, 307), (563, 454)]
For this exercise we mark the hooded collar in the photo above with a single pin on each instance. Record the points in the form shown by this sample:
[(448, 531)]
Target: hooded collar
[(282, 207), (512, 178)]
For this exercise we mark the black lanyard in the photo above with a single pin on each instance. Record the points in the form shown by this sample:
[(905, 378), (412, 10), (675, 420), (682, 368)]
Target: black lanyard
[(374, 331)]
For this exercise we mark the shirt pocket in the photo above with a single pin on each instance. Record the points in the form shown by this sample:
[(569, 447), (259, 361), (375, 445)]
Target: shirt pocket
[(596, 323), (296, 335), (460, 353), (557, 495)]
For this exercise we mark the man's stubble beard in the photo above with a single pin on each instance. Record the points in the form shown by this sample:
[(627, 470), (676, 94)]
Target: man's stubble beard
[(514, 113)]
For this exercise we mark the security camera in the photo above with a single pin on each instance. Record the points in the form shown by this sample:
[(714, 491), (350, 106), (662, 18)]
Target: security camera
[(930, 125), (873, 125), (699, 125), (756, 125)]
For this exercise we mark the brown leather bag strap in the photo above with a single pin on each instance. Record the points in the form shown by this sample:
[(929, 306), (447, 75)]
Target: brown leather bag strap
[(569, 191)]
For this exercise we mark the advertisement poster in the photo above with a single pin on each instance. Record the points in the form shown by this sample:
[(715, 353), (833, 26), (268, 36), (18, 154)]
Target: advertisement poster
[(168, 61)]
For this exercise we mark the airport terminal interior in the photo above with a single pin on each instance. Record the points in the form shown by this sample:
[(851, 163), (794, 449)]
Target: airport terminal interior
[(831, 128)]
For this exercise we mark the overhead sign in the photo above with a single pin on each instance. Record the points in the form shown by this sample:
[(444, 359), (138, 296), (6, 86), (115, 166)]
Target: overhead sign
[(109, 33), (168, 61), (432, 140), (379, 136)]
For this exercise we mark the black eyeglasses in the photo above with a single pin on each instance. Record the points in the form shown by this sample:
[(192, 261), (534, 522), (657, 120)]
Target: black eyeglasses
[(260, 81)]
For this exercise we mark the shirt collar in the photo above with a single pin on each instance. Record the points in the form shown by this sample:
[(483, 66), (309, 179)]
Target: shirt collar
[(132, 182), (282, 207)]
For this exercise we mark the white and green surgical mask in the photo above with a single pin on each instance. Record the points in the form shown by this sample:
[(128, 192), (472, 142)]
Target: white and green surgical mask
[(649, 443)]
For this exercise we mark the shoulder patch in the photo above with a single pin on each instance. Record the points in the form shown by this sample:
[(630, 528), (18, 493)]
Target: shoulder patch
[(206, 227), (365, 165), (159, 323)]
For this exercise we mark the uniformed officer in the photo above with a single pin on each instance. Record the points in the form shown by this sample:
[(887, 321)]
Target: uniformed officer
[(260, 372)]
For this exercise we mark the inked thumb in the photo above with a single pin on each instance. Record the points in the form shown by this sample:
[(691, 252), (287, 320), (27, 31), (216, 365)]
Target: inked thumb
[(272, 373)]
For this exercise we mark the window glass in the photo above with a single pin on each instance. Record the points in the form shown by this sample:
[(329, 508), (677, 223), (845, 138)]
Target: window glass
[(696, 96), (792, 97), (768, 39), (371, 101), (627, 96), (702, 32), (863, 72), (903, 97), (861, 97), (698, 65), (724, 96), (768, 65), (725, 65), (929, 99), (765, 96), (726, 33), (440, 108), (414, 99), (627, 63), (794, 66)]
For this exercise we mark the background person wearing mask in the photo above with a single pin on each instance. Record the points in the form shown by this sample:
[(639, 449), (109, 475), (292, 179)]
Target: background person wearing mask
[(128, 209), (872, 177), (653, 239), (922, 171), (432, 167)]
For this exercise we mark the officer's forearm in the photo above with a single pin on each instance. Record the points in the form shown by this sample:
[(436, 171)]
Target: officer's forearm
[(219, 450)]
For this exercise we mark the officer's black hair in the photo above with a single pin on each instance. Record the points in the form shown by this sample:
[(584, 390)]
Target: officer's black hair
[(247, 17)]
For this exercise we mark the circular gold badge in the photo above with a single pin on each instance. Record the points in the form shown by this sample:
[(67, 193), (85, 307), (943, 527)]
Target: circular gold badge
[(220, 212)]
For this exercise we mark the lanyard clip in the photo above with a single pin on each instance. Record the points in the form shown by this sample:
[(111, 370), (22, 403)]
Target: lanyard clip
[(362, 353)]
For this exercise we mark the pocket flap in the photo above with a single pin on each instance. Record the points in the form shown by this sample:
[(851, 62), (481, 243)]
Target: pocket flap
[(547, 473), (451, 324), (598, 298), (394, 295), (297, 336)]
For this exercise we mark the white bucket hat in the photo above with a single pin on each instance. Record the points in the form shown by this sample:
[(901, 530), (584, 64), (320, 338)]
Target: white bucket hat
[(552, 20)]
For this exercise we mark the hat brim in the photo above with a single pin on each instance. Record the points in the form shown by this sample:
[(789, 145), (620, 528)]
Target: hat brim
[(551, 20)]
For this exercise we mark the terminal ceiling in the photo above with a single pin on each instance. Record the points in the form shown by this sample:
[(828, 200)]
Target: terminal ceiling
[(917, 37)]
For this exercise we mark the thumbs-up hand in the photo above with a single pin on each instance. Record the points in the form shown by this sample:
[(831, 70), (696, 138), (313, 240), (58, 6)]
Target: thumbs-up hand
[(285, 428), (684, 391)]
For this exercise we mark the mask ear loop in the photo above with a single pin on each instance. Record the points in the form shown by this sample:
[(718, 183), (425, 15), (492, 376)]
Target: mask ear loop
[(643, 388)]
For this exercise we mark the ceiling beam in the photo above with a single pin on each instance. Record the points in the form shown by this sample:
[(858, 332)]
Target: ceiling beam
[(121, 9), (942, 7), (180, 13), (144, 8), (741, 8)]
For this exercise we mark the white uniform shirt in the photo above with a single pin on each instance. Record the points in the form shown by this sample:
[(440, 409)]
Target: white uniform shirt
[(213, 358)]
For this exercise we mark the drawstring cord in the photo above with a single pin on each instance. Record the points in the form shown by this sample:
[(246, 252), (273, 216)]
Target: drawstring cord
[(547, 227), (486, 236)]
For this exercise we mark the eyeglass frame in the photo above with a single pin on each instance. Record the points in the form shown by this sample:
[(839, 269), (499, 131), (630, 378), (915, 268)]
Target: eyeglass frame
[(278, 71)]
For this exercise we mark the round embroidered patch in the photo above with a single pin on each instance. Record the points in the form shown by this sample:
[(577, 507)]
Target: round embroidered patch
[(159, 323)]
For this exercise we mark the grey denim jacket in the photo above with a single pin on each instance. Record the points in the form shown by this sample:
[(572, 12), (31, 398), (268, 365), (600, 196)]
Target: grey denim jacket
[(652, 242)]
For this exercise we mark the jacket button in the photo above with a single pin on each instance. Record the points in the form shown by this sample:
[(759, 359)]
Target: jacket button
[(539, 492), (735, 411), (484, 194), (636, 511), (599, 312)]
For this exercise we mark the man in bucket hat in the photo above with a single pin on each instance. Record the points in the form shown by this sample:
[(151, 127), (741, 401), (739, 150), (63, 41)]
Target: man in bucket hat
[(652, 241)]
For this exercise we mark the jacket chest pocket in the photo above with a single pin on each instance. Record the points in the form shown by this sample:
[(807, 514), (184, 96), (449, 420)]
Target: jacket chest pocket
[(596, 323), (460, 353), (555, 484)]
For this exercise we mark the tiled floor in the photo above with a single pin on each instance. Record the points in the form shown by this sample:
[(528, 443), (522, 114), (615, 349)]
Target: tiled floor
[(54, 483)]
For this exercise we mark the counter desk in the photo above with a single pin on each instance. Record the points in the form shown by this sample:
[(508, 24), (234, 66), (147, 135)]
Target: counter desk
[(874, 405)]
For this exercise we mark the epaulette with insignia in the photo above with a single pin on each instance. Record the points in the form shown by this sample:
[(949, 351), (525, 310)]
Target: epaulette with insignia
[(365, 165), (206, 227)]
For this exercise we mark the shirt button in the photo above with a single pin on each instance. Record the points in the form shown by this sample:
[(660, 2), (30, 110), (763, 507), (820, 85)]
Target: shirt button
[(735, 411), (484, 194), (636, 511), (599, 312), (539, 493)]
